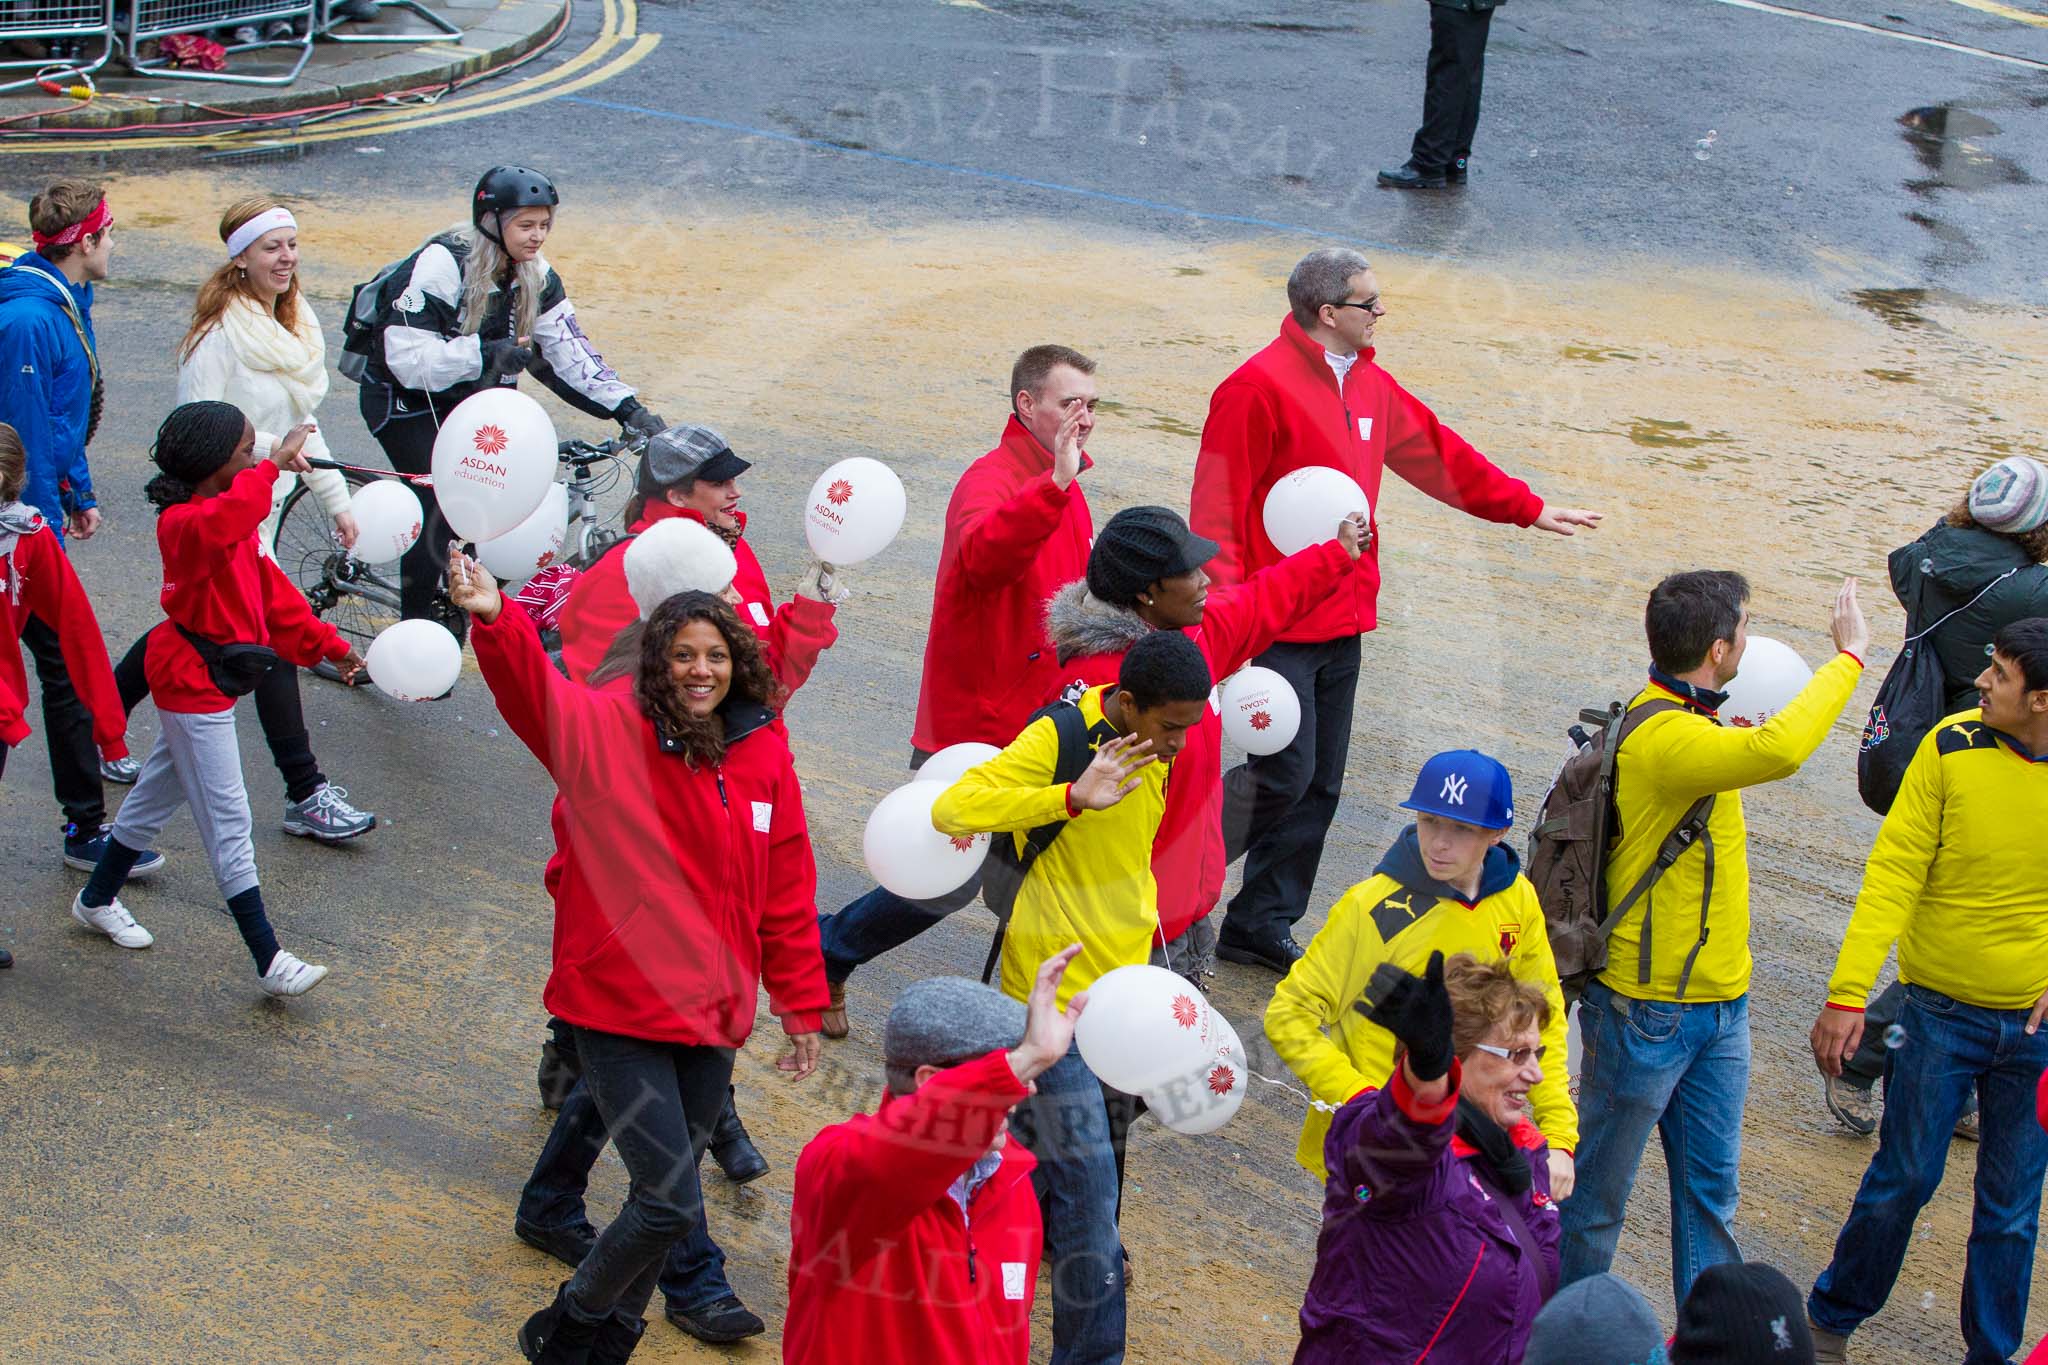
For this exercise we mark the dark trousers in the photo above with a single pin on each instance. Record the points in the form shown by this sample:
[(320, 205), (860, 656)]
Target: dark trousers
[(67, 730), (881, 921), (278, 708), (1450, 100), (659, 1102), (1283, 803), (408, 442)]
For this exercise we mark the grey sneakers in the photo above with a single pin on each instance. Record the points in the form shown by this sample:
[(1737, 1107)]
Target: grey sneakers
[(327, 816)]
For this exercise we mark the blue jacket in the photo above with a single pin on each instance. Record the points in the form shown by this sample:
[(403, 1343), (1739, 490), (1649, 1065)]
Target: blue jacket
[(46, 384)]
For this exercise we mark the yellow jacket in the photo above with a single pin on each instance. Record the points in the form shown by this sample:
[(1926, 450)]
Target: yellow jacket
[(1957, 876), (1093, 885), (1375, 922), (1667, 763)]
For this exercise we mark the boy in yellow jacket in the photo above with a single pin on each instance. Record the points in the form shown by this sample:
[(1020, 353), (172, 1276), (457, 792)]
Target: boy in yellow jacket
[(1665, 1028), (1957, 879), (1092, 884), (1449, 885)]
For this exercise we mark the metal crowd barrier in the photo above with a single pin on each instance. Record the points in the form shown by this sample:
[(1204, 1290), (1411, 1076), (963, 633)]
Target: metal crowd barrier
[(329, 19), (147, 20), (66, 21)]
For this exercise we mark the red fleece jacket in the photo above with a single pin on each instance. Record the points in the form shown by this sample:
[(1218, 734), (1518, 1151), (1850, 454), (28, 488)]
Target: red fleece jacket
[(883, 1263), (600, 606), (1013, 538), (36, 578), (221, 587), (1281, 411), (681, 888)]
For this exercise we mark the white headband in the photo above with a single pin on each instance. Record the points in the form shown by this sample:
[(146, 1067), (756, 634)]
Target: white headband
[(270, 220)]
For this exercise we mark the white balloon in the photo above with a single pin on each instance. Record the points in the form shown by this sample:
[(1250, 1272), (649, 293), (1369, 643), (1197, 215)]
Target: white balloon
[(1207, 1097), (1306, 504), (414, 660), (948, 764), (908, 856), (533, 544), (493, 462), (1261, 711), (388, 520), (1769, 676), (1145, 1025), (855, 509)]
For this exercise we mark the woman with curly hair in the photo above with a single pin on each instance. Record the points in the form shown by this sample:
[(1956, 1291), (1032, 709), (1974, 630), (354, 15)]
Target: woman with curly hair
[(686, 879)]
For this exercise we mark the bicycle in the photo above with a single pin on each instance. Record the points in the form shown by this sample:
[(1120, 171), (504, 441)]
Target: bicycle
[(361, 599)]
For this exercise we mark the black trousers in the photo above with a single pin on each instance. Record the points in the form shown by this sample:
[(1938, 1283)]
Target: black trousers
[(1278, 807), (278, 707), (408, 442), (1450, 99), (67, 730)]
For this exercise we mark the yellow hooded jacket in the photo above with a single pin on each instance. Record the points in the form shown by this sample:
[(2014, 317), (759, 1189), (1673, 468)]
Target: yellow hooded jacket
[(1093, 885)]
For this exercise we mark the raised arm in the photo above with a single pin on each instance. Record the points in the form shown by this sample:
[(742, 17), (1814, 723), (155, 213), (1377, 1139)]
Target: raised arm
[(1239, 623), (554, 718), (1693, 760), (1012, 791)]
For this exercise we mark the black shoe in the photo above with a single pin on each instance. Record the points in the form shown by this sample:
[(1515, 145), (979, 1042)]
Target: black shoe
[(358, 10), (557, 1076), (553, 1337), (732, 1149), (720, 1323), (569, 1244), (6, 958), (1276, 952), (1454, 174), (1409, 176), (616, 1338)]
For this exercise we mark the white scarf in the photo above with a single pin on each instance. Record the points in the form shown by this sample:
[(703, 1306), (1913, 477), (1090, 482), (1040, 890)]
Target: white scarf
[(297, 360)]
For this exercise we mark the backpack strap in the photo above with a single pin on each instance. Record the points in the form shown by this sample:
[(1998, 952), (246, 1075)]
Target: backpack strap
[(1074, 755)]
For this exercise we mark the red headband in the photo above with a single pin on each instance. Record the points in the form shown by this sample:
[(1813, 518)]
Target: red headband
[(98, 220)]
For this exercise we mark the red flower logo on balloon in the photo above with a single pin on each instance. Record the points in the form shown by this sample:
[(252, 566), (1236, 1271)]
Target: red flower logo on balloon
[(491, 440), (415, 533), (963, 842), (547, 557), (1184, 1012), (1221, 1080), (1261, 721), (840, 493)]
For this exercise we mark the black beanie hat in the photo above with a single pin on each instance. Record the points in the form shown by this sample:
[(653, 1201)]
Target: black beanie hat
[(196, 439), (1141, 545), (1746, 1313)]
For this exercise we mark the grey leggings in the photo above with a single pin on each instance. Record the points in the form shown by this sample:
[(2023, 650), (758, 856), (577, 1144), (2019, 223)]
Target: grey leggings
[(195, 762)]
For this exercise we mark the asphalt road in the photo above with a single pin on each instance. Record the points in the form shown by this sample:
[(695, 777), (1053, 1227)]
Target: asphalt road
[(827, 230)]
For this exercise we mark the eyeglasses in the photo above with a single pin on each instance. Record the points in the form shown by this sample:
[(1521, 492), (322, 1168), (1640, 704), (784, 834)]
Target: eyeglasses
[(1517, 1057), (1371, 305)]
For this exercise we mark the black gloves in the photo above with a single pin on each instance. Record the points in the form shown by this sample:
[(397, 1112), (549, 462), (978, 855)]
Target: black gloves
[(638, 420), (1417, 1011), (504, 357)]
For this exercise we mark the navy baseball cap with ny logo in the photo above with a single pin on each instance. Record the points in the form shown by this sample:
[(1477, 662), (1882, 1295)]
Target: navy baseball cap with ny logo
[(1466, 785)]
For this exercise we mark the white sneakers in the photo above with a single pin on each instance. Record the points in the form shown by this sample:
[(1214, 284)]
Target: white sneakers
[(289, 976), (112, 920)]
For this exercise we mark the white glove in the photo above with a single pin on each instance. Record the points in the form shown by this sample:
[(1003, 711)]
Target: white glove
[(824, 584)]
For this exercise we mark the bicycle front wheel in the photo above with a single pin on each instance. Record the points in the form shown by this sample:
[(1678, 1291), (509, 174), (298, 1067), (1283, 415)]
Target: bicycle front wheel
[(358, 599)]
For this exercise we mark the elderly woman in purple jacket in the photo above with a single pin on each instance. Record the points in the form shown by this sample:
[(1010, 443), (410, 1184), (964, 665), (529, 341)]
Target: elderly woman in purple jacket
[(1439, 1239)]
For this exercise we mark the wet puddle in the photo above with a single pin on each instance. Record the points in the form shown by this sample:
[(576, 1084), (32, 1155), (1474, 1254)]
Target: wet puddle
[(1949, 142)]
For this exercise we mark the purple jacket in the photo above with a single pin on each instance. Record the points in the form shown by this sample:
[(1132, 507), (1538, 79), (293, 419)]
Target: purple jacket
[(1417, 1260)]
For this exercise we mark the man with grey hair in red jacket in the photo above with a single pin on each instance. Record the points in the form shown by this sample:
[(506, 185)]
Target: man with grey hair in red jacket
[(1315, 396)]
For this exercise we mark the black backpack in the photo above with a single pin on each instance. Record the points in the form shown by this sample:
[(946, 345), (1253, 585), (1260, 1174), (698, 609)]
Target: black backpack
[(1577, 829), (1912, 701), (1004, 870), (366, 309)]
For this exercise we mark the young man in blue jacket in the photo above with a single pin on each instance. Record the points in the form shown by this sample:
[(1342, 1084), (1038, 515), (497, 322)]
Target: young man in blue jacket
[(49, 387)]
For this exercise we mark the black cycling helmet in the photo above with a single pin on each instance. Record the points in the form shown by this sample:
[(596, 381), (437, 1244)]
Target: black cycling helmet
[(505, 189)]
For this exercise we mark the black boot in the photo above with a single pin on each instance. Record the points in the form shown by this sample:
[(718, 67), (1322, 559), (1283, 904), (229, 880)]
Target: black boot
[(6, 958), (617, 1335), (1409, 176), (732, 1149), (553, 1337)]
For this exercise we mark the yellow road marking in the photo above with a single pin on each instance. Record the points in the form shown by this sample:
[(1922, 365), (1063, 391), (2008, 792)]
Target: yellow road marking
[(618, 27), (2018, 16)]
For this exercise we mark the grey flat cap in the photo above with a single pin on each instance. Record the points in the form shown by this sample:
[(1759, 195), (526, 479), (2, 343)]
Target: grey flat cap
[(949, 1019), (688, 451)]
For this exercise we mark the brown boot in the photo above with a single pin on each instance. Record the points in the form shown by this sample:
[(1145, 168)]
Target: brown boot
[(834, 1025)]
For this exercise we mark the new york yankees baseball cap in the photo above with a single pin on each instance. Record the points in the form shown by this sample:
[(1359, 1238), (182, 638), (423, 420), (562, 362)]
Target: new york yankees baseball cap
[(1466, 785)]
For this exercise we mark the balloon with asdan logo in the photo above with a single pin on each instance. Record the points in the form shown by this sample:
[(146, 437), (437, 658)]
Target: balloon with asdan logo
[(854, 511), (494, 459)]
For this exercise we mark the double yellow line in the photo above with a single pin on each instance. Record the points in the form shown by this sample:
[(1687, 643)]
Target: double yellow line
[(619, 45)]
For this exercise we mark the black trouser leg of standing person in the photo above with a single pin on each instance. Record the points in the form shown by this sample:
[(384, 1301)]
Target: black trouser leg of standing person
[(67, 730), (408, 442), (1286, 801), (1450, 100), (278, 708)]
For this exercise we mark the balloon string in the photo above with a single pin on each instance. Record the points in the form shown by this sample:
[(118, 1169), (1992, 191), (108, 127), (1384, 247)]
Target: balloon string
[(424, 480), (1313, 1102)]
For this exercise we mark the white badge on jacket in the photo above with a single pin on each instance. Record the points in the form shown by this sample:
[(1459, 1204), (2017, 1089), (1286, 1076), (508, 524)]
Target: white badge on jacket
[(1365, 428), (764, 815), (760, 613), (1013, 1279)]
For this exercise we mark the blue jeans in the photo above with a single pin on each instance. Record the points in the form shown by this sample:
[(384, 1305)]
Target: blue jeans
[(1066, 1126), (879, 921), (1950, 1049), (1684, 1070), (692, 1277)]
